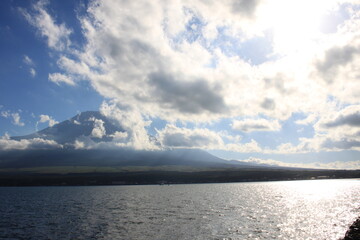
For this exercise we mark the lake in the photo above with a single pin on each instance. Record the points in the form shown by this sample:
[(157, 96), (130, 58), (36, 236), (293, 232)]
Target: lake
[(317, 209)]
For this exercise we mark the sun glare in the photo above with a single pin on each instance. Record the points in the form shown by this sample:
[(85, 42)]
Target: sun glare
[(295, 24)]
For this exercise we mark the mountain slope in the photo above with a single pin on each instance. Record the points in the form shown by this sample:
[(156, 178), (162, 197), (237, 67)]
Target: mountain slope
[(114, 157), (97, 127), (81, 125)]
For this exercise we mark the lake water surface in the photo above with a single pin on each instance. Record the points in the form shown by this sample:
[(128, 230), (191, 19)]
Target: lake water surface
[(318, 209)]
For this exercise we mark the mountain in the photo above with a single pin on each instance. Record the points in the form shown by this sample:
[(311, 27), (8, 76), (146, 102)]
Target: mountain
[(108, 158), (97, 127), (71, 166), (81, 125)]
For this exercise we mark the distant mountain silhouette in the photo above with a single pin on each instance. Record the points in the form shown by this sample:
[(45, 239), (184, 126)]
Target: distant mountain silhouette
[(109, 158), (80, 125)]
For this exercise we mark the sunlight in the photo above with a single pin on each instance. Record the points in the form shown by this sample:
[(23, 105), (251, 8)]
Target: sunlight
[(315, 190), (295, 24)]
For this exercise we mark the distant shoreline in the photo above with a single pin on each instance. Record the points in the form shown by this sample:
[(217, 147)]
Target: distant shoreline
[(168, 177)]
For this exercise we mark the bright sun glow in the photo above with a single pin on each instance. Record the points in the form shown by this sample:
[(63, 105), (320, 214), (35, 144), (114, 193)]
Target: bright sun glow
[(295, 25)]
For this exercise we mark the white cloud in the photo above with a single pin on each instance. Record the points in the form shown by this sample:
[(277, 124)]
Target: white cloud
[(61, 78), (173, 137), (119, 136), (5, 114), (36, 143), (142, 56), (28, 61), (251, 125), (335, 130), (311, 118), (340, 130), (48, 119), (76, 122), (99, 129), (132, 122), (57, 35), (347, 117), (79, 144), (16, 119), (174, 74), (32, 72), (249, 147)]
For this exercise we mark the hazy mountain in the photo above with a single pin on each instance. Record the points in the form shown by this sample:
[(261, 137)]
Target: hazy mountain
[(71, 166), (83, 125), (114, 157)]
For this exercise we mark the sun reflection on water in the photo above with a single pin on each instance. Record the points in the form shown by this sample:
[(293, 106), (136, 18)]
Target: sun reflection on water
[(316, 190), (311, 207)]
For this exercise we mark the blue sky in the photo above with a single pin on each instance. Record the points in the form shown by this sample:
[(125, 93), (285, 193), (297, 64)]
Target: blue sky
[(259, 81)]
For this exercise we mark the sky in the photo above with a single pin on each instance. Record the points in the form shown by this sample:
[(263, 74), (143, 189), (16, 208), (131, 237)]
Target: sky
[(262, 81)]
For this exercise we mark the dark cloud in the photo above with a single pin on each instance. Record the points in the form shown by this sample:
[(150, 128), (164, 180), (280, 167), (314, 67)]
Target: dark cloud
[(278, 82), (181, 140), (343, 144), (352, 120), (254, 127), (186, 96), (130, 52), (268, 104), (245, 7), (185, 138), (250, 125), (335, 58)]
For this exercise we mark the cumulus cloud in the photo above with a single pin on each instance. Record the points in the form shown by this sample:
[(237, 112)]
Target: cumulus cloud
[(15, 116), (335, 130), (132, 122), (244, 7), (251, 125), (176, 74), (249, 147), (187, 96), (335, 58), (172, 136), (180, 60), (57, 35), (176, 137), (311, 118), (341, 144), (336, 64), (61, 78), (28, 61), (99, 129), (349, 116), (182, 74), (340, 129), (17, 120), (36, 143), (5, 114), (32, 72), (48, 119)]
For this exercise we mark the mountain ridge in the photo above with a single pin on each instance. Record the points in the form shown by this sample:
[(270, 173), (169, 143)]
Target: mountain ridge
[(68, 131), (67, 165), (83, 125)]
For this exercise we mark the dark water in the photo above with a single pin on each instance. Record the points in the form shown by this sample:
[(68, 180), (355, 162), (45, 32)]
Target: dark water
[(320, 209)]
